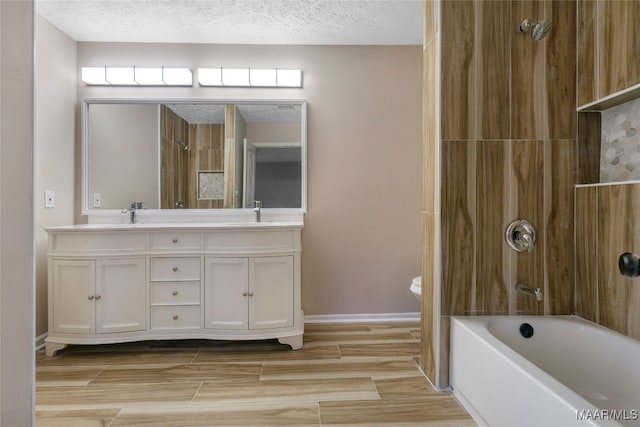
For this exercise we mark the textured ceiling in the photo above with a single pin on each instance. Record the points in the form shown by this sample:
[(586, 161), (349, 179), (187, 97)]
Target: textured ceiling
[(256, 113), (354, 22)]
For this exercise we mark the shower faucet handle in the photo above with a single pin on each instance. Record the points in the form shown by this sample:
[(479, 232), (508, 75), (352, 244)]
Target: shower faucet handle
[(520, 236)]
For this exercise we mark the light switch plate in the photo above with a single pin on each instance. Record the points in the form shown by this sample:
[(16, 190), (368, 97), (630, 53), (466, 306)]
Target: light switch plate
[(49, 199)]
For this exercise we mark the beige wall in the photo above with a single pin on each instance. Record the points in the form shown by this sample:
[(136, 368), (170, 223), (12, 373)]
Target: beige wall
[(55, 144), (361, 241), (132, 146), (16, 214), (273, 132)]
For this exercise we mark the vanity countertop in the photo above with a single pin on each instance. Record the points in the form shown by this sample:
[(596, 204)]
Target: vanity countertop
[(180, 226)]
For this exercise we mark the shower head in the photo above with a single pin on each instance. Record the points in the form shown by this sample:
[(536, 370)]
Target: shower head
[(538, 29)]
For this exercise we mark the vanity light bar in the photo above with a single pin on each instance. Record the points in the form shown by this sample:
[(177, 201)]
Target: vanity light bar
[(137, 76), (249, 77)]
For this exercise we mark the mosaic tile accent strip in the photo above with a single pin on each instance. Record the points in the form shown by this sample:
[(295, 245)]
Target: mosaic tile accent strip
[(620, 150)]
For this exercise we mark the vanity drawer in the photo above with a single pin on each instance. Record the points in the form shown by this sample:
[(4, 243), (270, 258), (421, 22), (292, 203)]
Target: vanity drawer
[(240, 241), (174, 268), (98, 242), (175, 241), (170, 293), (175, 317)]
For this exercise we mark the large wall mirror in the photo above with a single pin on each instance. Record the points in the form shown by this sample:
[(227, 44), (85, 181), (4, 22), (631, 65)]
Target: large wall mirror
[(194, 154)]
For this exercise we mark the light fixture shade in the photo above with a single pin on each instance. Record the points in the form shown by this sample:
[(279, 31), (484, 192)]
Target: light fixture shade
[(235, 77), (94, 75), (177, 76), (289, 78), (120, 76), (249, 77), (260, 77), (148, 76), (210, 76)]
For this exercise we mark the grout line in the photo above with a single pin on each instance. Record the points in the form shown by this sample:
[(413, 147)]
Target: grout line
[(261, 370), (113, 419), (96, 375), (196, 393)]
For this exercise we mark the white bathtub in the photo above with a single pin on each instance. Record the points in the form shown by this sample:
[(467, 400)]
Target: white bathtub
[(571, 372)]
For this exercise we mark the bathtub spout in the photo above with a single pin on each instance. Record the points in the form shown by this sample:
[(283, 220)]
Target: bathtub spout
[(537, 292)]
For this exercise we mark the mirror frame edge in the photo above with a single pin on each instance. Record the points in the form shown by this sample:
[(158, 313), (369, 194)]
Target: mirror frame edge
[(86, 211)]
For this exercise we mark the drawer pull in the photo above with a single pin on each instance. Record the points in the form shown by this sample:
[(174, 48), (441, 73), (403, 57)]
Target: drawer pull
[(91, 297), (174, 240), (175, 268), (175, 293), (175, 317)]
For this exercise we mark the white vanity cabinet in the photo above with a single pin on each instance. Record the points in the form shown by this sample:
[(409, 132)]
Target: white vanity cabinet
[(249, 293), (111, 283), (101, 296)]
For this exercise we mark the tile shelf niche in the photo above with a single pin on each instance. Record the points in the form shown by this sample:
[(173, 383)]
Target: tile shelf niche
[(612, 100)]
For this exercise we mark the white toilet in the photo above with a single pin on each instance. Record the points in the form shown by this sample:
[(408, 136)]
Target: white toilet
[(416, 287)]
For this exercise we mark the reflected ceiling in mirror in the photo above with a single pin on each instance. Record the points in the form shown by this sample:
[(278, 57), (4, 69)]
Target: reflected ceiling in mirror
[(161, 153)]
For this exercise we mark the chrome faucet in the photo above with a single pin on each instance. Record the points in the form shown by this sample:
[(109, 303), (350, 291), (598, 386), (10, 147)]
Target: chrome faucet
[(257, 208), (133, 206), (520, 236), (537, 292)]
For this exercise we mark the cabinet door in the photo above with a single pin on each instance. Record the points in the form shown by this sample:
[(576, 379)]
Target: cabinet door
[(121, 295), (271, 290), (73, 296), (226, 293)]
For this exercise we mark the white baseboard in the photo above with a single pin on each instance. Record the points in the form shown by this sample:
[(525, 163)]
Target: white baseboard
[(40, 341), (362, 318)]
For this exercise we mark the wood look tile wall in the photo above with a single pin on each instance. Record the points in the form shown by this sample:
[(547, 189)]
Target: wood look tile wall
[(229, 156), (560, 70), (589, 130), (587, 53), (179, 167), (206, 154), (492, 287), (508, 151), (559, 181), (605, 296), (174, 184), (528, 168), (586, 253), (492, 42), (608, 57), (430, 199), (606, 215), (458, 53)]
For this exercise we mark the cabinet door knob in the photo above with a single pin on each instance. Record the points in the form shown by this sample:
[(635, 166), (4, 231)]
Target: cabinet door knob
[(91, 297), (174, 240), (175, 268), (175, 317), (250, 294), (98, 297), (175, 293), (244, 294)]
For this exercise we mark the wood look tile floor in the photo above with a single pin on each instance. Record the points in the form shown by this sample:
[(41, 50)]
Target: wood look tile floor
[(346, 375)]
